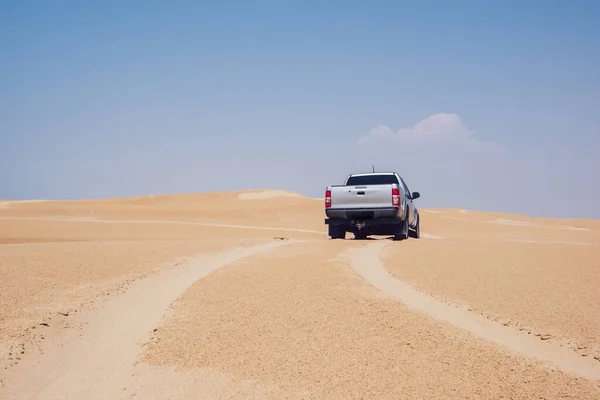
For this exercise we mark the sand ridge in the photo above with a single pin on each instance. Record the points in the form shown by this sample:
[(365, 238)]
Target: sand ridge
[(9, 203), (266, 194)]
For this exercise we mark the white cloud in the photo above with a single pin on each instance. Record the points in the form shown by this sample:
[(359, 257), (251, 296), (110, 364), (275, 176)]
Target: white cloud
[(440, 157), (438, 131)]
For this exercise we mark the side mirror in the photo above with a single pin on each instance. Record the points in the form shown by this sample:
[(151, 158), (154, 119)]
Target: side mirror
[(416, 195)]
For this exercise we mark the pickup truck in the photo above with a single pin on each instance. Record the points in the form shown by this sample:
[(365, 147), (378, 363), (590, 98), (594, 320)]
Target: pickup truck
[(372, 204)]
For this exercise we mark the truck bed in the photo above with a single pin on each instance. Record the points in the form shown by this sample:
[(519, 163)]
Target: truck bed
[(361, 197)]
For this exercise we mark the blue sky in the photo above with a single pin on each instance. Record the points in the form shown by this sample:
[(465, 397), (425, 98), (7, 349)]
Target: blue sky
[(480, 105)]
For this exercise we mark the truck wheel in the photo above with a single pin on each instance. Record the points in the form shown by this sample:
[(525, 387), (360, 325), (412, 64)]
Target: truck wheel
[(337, 232), (416, 233), (401, 230)]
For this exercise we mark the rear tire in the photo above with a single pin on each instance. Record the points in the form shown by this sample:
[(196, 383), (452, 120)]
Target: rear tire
[(402, 230), (337, 232), (416, 233)]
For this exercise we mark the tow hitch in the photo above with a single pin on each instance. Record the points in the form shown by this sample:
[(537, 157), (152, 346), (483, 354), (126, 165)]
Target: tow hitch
[(360, 225)]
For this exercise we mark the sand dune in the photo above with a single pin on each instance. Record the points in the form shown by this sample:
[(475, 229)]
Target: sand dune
[(242, 294), (266, 194)]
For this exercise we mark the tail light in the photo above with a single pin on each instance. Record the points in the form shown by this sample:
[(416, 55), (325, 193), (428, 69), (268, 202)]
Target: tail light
[(395, 197), (328, 199)]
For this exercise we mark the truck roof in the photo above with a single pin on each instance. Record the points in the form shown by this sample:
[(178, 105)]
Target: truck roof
[(373, 173)]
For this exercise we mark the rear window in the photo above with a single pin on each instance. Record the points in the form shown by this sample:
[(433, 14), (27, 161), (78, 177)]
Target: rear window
[(372, 180)]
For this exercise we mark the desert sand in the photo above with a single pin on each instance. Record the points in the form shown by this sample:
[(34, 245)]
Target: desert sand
[(243, 295)]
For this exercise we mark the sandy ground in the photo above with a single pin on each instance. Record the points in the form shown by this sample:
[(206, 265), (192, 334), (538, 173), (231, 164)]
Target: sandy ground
[(541, 276), (242, 295)]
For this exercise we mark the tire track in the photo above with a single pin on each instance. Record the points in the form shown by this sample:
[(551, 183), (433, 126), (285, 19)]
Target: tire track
[(98, 364), (365, 261)]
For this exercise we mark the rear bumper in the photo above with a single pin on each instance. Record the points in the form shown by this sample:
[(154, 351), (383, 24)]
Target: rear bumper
[(365, 214), (368, 220), (367, 223)]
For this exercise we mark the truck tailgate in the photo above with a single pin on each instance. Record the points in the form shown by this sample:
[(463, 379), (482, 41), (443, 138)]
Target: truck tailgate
[(371, 196)]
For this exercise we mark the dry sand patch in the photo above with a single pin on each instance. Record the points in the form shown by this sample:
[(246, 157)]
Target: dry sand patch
[(45, 284), (366, 262), (224, 208), (132, 229), (551, 290), (300, 323), (97, 364), (61, 257), (495, 227)]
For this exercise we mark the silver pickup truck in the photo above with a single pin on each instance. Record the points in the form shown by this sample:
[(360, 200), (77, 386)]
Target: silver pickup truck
[(372, 204)]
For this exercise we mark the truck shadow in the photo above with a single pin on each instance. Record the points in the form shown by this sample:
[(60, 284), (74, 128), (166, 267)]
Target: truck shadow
[(373, 238)]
